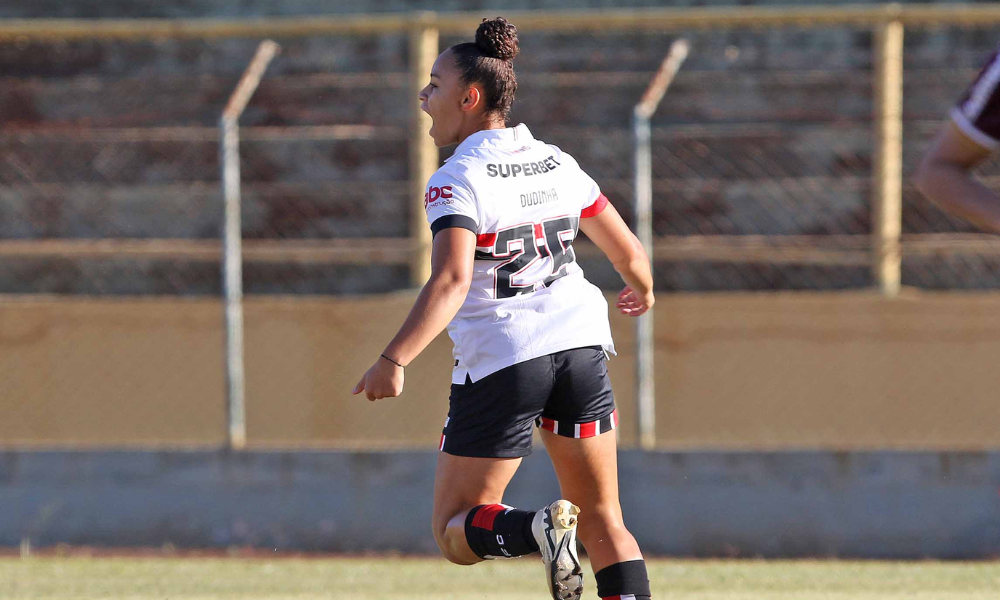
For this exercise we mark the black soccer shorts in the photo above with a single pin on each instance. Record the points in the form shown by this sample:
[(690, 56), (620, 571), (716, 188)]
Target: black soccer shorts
[(567, 393)]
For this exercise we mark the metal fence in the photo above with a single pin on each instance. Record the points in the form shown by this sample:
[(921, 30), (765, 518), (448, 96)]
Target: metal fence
[(765, 155), (776, 157)]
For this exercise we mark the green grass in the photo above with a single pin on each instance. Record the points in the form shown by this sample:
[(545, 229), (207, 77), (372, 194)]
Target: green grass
[(426, 579)]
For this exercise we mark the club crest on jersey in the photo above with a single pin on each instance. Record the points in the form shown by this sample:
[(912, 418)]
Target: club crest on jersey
[(435, 193)]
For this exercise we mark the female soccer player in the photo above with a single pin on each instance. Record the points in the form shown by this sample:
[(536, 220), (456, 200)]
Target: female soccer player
[(972, 133), (530, 333)]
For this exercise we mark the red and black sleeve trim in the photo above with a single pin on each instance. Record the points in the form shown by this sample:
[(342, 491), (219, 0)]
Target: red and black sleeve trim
[(453, 221), (596, 208)]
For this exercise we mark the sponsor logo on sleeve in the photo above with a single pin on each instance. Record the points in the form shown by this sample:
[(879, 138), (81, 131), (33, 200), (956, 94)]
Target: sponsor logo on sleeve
[(436, 194)]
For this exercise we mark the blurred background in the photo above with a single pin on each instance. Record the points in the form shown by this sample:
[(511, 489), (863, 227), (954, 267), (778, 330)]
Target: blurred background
[(783, 358)]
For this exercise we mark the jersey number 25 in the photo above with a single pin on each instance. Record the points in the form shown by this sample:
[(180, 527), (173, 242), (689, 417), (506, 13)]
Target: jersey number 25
[(518, 248)]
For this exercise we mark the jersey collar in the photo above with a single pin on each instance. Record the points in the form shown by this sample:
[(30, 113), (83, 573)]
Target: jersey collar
[(495, 138)]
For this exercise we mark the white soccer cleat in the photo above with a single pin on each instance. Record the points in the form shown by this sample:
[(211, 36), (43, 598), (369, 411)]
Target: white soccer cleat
[(555, 531)]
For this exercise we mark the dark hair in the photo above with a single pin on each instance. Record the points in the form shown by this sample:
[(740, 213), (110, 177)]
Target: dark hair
[(489, 62)]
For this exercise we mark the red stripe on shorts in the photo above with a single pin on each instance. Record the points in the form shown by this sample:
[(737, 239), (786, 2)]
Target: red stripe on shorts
[(580, 430), (486, 515)]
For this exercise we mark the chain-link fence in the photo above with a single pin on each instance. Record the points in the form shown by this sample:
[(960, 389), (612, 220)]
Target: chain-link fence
[(765, 133), (763, 154), (115, 141)]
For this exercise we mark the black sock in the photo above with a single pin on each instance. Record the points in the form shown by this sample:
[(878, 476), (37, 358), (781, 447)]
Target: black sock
[(498, 531), (623, 580)]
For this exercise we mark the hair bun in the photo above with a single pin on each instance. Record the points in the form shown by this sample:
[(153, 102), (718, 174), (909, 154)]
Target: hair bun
[(497, 38)]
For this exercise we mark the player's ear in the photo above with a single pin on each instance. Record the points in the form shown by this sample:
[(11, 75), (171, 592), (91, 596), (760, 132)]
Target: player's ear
[(472, 98)]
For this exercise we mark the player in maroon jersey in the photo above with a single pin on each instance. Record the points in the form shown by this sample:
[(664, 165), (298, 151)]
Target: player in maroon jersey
[(973, 133)]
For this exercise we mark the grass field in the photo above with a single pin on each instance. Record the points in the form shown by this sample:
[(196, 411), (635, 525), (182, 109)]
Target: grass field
[(425, 579)]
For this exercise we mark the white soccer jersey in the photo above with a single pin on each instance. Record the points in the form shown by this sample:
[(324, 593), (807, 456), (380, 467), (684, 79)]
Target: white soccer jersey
[(524, 200)]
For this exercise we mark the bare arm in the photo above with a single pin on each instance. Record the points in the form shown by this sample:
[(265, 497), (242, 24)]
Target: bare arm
[(452, 258), (944, 178), (451, 274), (623, 249)]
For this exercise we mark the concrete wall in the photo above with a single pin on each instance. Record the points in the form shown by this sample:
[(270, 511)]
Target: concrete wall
[(886, 505), (735, 372), (799, 397)]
